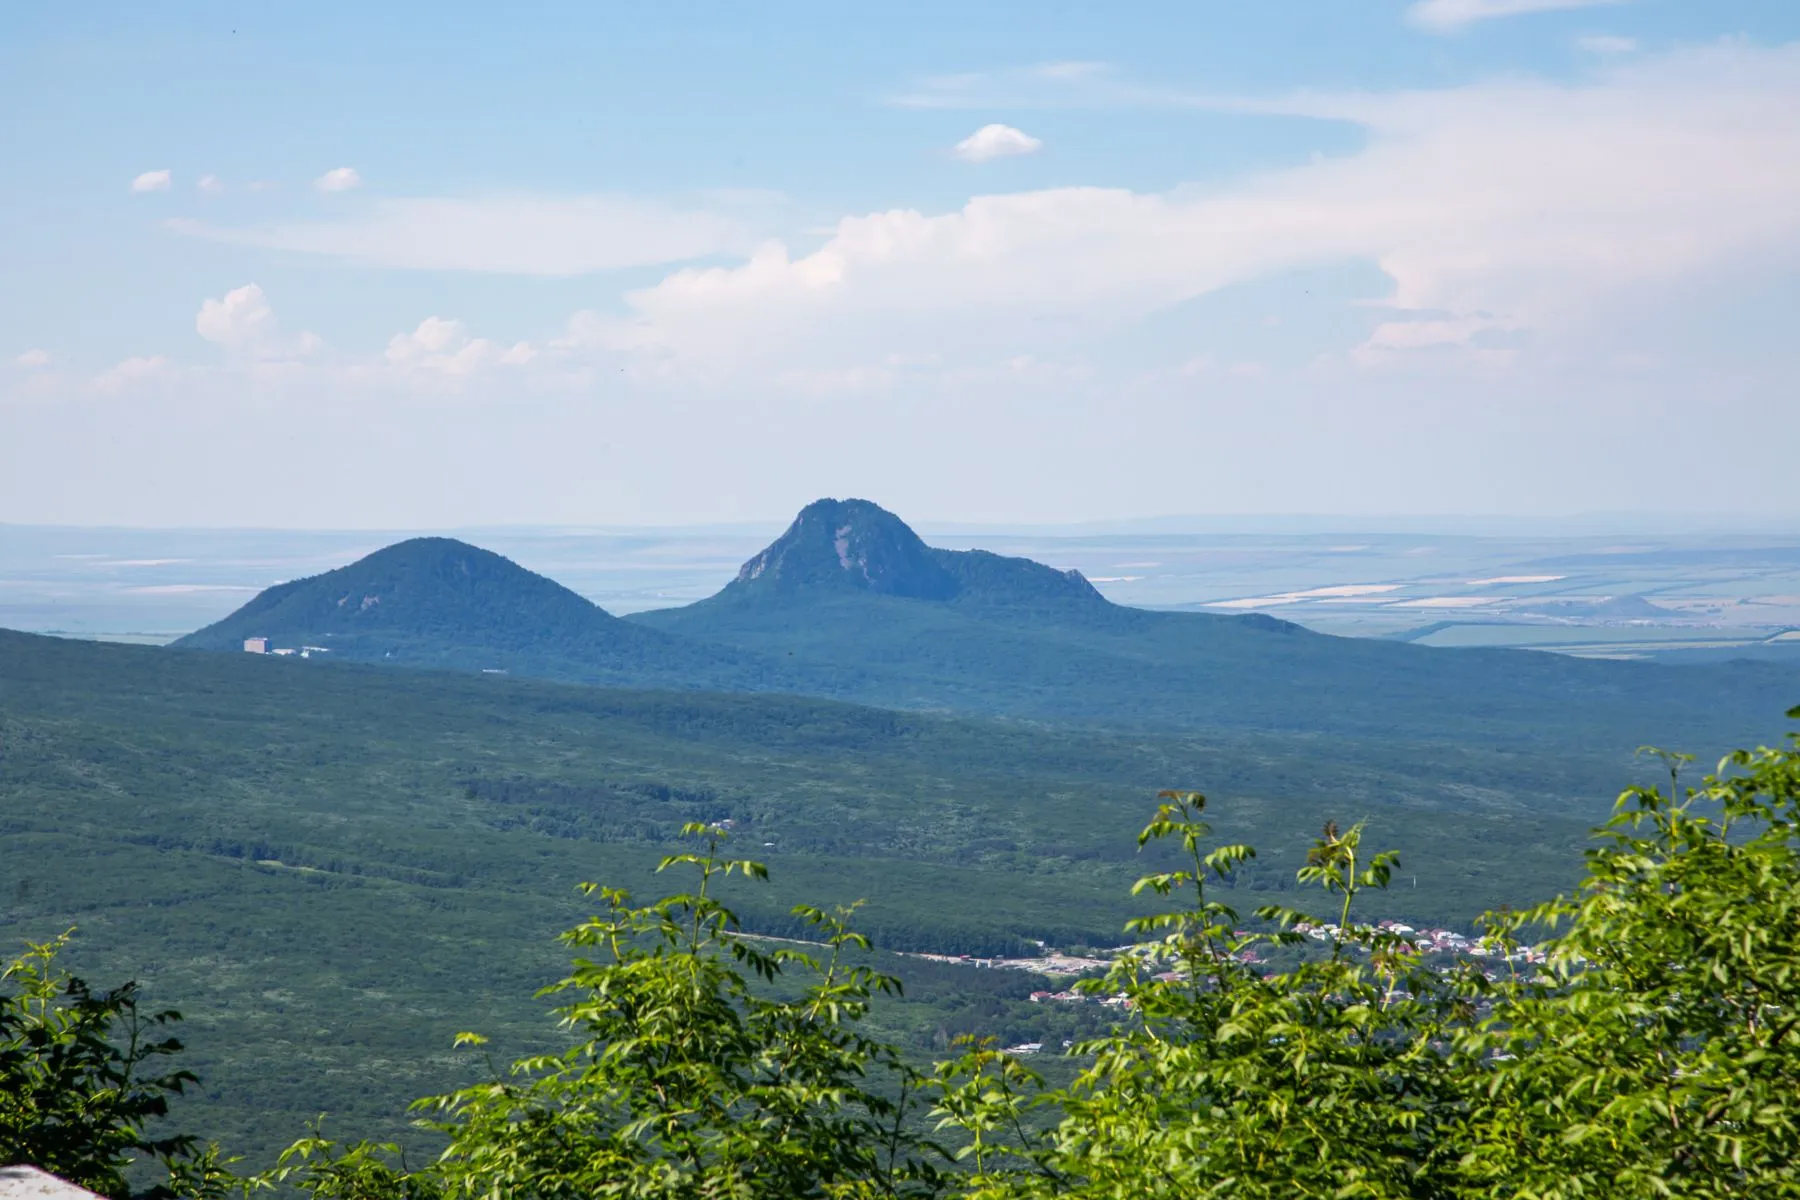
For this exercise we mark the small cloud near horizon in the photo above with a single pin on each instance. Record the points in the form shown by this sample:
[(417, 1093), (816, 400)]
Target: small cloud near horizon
[(996, 141), (243, 322), (133, 371), (243, 316), (338, 179), (210, 184), (33, 358), (443, 347), (152, 181)]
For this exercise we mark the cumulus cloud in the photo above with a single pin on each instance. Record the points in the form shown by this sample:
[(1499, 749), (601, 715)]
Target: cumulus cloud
[(1517, 202), (1448, 16), (338, 179), (210, 184), (243, 322), (152, 181), (242, 316), (443, 347), (1524, 225), (996, 141), (33, 358), (518, 235)]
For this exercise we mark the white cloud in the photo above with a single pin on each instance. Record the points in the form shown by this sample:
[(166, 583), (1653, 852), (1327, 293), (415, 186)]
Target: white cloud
[(1644, 205), (242, 317), (243, 322), (210, 184), (33, 358), (134, 372), (1520, 204), (1448, 16), (1392, 339), (996, 141), (1606, 45), (338, 179), (152, 181), (443, 347), (518, 235)]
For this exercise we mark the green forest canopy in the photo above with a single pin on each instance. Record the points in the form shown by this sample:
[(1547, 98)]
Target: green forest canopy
[(340, 866), (1654, 1050)]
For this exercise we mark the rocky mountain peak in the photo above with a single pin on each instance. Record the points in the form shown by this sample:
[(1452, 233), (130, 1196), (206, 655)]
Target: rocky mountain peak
[(848, 545)]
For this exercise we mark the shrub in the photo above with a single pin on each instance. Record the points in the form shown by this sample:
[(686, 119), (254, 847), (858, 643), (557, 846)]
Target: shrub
[(75, 1098)]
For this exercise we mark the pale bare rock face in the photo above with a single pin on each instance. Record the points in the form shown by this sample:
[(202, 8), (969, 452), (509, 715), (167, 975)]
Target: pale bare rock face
[(842, 543), (29, 1183)]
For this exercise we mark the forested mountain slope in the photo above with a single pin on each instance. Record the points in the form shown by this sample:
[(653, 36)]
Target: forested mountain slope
[(856, 605), (439, 602), (851, 604)]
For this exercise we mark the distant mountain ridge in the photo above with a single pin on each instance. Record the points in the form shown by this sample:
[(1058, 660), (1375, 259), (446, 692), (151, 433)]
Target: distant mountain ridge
[(856, 545), (440, 602), (849, 603), (845, 545), (858, 606), (846, 557), (413, 588)]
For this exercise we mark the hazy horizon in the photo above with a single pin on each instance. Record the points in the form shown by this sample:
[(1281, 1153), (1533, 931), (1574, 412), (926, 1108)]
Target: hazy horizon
[(1574, 524), (1608, 590)]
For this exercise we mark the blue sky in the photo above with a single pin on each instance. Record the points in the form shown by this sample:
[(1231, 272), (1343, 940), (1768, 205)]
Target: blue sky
[(334, 265)]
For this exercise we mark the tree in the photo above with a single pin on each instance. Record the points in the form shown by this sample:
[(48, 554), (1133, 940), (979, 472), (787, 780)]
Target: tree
[(1327, 1080), (1658, 1054), (1654, 1053), (686, 1080), (1648, 1047), (75, 1098)]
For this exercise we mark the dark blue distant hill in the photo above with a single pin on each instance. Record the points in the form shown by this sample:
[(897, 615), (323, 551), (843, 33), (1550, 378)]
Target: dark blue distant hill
[(858, 606), (850, 603), (439, 602), (846, 547)]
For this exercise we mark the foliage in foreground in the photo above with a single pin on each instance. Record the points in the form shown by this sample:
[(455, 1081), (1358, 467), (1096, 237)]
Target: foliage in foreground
[(1655, 1051), (77, 1080)]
